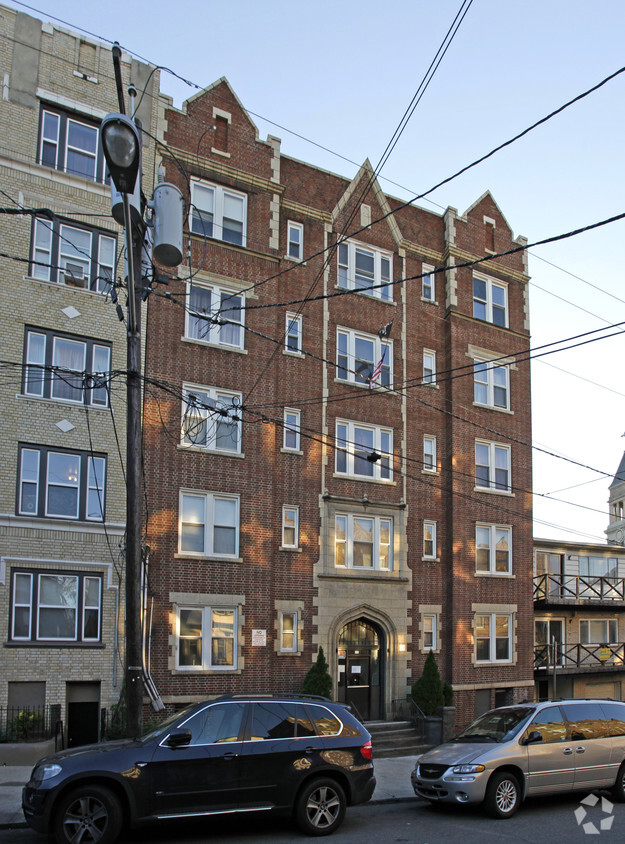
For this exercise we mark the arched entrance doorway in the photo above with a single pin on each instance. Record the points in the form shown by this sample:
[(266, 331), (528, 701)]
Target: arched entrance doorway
[(362, 655)]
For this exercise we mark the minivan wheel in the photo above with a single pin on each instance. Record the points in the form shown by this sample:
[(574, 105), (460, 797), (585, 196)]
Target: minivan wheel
[(320, 807), (618, 789), (503, 795), (89, 815)]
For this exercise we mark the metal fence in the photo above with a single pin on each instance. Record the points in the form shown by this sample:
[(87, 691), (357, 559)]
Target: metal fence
[(35, 723)]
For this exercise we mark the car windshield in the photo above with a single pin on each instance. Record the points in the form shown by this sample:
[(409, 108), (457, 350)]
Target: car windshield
[(164, 725), (498, 725)]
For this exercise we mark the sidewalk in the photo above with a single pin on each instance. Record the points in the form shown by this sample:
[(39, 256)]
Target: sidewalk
[(393, 784)]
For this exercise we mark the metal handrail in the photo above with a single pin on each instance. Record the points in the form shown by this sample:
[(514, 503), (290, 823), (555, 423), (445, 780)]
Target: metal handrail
[(574, 587)]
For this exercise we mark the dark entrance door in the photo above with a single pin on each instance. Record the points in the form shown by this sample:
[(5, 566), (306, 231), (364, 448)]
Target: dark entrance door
[(83, 713), (361, 657)]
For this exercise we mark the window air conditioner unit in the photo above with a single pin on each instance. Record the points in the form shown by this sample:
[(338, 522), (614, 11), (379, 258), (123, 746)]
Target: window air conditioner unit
[(74, 274)]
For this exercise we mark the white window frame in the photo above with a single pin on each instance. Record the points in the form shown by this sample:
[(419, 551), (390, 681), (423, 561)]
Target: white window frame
[(295, 240), (429, 454), (291, 436), (345, 537), (493, 534), (429, 367), (59, 140), (611, 628), (360, 370), (40, 482), (202, 325), (293, 633), (206, 412), (208, 502), (492, 637), (43, 372), (429, 540), (349, 455), (290, 522), (206, 637), (489, 306), (428, 283), (381, 277), (221, 194), (495, 451), (56, 255), (293, 334), (429, 620), (34, 606), (486, 389)]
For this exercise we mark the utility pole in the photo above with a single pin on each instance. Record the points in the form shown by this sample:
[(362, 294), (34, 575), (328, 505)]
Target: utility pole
[(134, 453)]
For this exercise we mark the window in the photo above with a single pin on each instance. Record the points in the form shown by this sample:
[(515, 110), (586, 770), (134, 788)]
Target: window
[(602, 631), (591, 567), (365, 268), (429, 367), (428, 283), (207, 638), (56, 607), (293, 334), (59, 366), (429, 454), (288, 631), (290, 527), (429, 633), (364, 451), (359, 356), (70, 144), (209, 524), (218, 212), (490, 301), (61, 484), (493, 637), (429, 540), (492, 466), (73, 255), (214, 315), (211, 419), (363, 542), (295, 240), (493, 549), (291, 440), (491, 385)]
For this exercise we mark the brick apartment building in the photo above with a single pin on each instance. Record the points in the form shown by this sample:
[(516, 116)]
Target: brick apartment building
[(337, 433), (62, 496)]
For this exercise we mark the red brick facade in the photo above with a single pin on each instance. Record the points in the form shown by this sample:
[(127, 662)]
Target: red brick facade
[(377, 614)]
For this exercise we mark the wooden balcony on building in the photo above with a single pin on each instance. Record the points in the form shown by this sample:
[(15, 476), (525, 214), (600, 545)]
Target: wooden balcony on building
[(563, 589), (578, 658)]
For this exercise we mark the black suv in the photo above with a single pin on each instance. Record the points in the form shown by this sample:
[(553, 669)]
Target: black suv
[(299, 754)]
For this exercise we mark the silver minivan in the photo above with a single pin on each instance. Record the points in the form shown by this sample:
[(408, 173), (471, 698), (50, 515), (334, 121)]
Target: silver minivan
[(528, 749)]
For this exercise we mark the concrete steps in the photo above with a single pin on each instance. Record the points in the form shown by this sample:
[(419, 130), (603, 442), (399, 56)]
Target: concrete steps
[(395, 738)]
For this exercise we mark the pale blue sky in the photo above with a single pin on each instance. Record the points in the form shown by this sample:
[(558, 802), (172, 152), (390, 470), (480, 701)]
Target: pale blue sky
[(342, 73)]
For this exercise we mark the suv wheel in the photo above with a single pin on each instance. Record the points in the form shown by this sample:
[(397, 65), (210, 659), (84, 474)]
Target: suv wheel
[(502, 795), (89, 814), (618, 789), (320, 807)]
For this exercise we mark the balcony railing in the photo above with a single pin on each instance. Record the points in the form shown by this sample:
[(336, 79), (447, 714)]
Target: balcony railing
[(568, 657), (567, 587)]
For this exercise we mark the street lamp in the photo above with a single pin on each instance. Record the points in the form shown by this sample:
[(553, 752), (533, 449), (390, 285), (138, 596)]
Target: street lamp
[(121, 144), (122, 149)]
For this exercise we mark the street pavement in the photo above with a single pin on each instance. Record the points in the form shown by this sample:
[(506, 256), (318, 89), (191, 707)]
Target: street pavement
[(392, 775)]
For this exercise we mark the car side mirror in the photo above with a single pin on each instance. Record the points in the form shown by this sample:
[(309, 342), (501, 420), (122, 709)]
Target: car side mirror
[(180, 738), (532, 737)]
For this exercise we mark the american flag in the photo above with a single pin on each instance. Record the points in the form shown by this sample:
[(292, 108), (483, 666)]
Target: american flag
[(383, 333)]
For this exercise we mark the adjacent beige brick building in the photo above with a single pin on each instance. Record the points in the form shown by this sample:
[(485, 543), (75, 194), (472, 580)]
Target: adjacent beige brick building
[(62, 391)]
